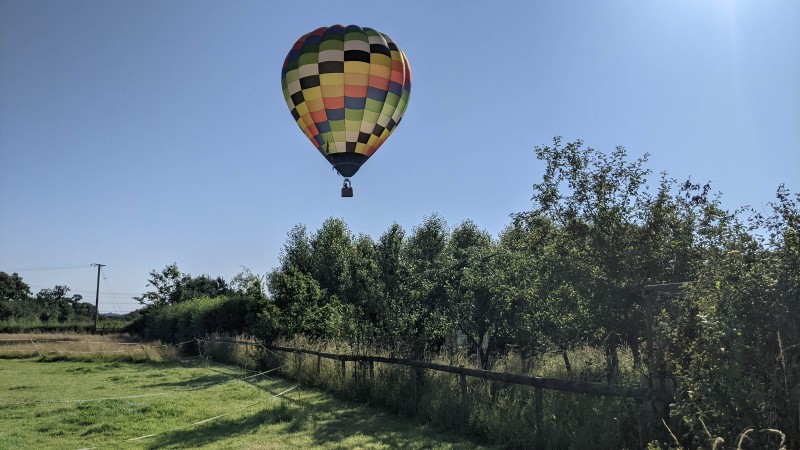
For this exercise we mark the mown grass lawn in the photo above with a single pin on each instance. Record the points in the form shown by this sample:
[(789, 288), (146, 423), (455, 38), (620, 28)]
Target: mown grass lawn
[(40, 408)]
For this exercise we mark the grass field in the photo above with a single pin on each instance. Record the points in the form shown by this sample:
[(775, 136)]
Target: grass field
[(56, 403)]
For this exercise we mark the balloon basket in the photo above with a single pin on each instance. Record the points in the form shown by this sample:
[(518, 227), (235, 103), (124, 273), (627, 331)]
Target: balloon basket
[(347, 190)]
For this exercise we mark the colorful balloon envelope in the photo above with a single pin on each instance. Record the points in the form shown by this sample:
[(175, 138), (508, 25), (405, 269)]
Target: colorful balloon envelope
[(347, 88)]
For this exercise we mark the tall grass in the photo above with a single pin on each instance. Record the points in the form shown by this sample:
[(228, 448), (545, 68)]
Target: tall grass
[(495, 413), (50, 347)]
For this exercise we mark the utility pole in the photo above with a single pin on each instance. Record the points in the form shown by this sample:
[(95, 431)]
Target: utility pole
[(97, 296)]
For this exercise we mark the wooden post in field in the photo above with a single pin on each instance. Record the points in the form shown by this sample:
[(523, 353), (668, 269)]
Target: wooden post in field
[(344, 368), (462, 383), (539, 411), (319, 364), (371, 371), (414, 387), (200, 351), (297, 364)]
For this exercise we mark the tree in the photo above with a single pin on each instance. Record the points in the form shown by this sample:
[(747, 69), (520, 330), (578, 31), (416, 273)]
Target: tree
[(395, 323), (365, 291), (13, 289), (426, 284), (600, 237), (250, 285), (476, 299), (54, 304), (331, 252), (296, 252), (15, 296), (735, 346), (165, 284), (171, 286), (305, 307)]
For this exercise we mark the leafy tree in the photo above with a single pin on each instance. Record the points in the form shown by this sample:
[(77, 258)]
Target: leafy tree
[(54, 304), (425, 285), (13, 289), (735, 346), (250, 285), (297, 250), (304, 306), (394, 323), (476, 300), (601, 237), (365, 291), (331, 253), (165, 284), (170, 286)]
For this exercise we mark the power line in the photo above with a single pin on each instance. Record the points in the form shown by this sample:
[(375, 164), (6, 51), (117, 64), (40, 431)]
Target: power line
[(83, 291), (29, 269), (116, 308)]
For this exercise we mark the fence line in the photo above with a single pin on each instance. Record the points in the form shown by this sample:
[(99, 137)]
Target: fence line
[(581, 387), (661, 395)]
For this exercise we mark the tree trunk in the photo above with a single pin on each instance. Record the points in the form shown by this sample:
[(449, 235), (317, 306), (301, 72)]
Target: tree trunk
[(484, 351), (566, 361), (636, 352), (612, 358), (484, 358)]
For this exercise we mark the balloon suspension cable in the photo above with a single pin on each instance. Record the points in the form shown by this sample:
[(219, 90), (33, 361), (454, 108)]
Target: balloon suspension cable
[(347, 189)]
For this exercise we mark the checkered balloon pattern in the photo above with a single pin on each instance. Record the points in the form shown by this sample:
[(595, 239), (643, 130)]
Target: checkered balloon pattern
[(347, 88)]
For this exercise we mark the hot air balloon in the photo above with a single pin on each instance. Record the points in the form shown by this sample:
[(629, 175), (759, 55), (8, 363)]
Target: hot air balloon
[(347, 88)]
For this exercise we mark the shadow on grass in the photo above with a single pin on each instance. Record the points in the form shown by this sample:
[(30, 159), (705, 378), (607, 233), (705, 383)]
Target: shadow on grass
[(326, 422), (372, 426), (331, 420), (210, 432), (199, 382)]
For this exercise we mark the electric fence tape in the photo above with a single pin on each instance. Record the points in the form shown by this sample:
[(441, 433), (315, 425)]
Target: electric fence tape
[(170, 391), (280, 394)]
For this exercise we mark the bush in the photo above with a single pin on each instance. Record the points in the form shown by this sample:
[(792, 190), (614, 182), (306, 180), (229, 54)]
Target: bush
[(195, 318)]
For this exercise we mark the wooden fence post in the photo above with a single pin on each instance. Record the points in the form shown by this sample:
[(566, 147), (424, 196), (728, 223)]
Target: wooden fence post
[(297, 365), (462, 382), (414, 387), (371, 371), (539, 410), (319, 363), (344, 368)]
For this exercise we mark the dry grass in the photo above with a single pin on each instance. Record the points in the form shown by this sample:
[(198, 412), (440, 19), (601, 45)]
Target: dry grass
[(82, 347)]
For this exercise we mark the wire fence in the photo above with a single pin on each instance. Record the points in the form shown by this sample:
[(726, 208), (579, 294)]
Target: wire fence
[(293, 362), (414, 386)]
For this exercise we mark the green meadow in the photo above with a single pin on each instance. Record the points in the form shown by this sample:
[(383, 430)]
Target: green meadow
[(53, 402)]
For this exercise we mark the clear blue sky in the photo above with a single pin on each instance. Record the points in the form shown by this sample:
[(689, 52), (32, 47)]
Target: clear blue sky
[(141, 133)]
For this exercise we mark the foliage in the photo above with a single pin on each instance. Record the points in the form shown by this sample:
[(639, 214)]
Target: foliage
[(171, 286), (571, 272), (738, 355), (194, 318), (47, 306), (13, 289)]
